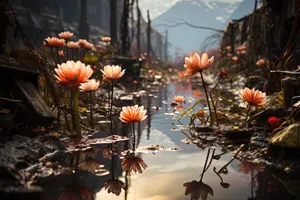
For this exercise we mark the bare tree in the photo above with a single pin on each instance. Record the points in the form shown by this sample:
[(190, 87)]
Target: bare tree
[(113, 21)]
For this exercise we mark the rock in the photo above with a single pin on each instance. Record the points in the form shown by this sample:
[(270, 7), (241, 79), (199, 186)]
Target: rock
[(288, 137), (16, 193), (256, 82), (291, 89), (26, 151)]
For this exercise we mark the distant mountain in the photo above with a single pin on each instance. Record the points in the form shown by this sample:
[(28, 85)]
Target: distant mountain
[(246, 7), (210, 13)]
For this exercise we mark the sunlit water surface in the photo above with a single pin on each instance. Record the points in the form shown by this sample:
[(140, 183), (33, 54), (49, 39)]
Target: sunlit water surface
[(168, 171)]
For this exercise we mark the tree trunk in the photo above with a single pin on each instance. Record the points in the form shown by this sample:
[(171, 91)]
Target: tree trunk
[(3, 26), (83, 23), (124, 29), (138, 28), (166, 46), (113, 22), (148, 36)]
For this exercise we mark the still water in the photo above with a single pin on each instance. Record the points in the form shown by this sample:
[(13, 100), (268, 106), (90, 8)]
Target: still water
[(169, 173)]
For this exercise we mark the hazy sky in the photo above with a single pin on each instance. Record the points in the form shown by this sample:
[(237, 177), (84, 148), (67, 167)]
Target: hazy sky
[(158, 7)]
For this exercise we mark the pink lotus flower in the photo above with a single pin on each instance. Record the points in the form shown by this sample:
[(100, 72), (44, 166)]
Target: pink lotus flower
[(243, 52), (235, 59), (82, 42), (73, 45), (89, 86), (134, 164), (178, 99), (113, 72), (194, 63), (53, 42), (73, 74), (131, 114), (106, 39), (87, 45), (114, 186), (241, 48), (260, 62), (61, 53), (253, 97), (66, 35), (228, 48)]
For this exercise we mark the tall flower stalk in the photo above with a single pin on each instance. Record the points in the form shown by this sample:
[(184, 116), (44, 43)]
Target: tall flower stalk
[(112, 73), (132, 114), (73, 74), (111, 106), (76, 113), (90, 86), (206, 94), (194, 64)]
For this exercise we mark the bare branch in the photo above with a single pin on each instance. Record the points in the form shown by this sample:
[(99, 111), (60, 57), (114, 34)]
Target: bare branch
[(190, 25)]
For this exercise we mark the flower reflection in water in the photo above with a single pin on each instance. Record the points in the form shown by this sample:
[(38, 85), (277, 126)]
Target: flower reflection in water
[(74, 192), (133, 163), (114, 186), (247, 166), (197, 190), (89, 165), (107, 152)]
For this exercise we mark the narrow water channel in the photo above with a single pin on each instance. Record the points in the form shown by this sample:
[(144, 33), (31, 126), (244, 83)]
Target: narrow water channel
[(170, 173)]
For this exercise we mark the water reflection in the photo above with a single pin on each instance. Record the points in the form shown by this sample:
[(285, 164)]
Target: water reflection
[(200, 170)]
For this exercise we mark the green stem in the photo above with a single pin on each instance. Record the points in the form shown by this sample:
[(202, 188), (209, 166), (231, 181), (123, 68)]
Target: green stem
[(215, 109), (203, 171), (91, 109), (247, 114), (76, 113), (213, 103), (207, 99), (133, 134), (112, 163), (111, 107)]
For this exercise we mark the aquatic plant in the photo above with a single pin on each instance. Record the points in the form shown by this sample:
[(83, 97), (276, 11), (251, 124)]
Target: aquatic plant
[(178, 99), (53, 42), (198, 189), (132, 114), (248, 166), (73, 74), (260, 62), (113, 72), (194, 64), (235, 59), (114, 186), (253, 98), (106, 39), (89, 87), (73, 45), (132, 163), (65, 35)]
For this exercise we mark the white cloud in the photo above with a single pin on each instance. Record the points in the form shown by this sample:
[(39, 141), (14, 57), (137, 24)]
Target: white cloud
[(220, 18)]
